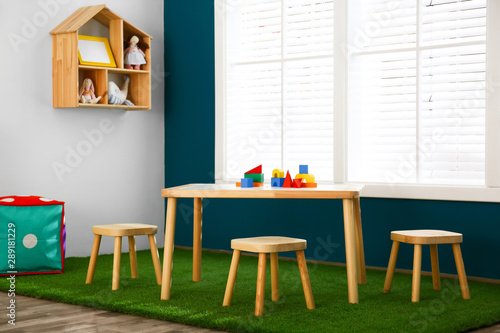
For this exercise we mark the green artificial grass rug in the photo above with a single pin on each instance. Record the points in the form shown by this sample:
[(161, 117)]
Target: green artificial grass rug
[(200, 303)]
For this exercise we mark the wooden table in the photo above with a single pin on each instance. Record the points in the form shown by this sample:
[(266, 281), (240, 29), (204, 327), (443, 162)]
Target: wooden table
[(349, 194)]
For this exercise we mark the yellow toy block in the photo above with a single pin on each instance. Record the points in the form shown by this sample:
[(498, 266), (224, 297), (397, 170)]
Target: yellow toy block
[(307, 176), (278, 173)]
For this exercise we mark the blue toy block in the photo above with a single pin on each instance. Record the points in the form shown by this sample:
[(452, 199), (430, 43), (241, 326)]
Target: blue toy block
[(246, 182), (304, 168), (277, 182)]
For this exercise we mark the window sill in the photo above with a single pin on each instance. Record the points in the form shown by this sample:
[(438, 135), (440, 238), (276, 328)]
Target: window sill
[(423, 192)]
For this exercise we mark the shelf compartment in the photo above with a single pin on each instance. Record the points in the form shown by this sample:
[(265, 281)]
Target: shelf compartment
[(100, 80)]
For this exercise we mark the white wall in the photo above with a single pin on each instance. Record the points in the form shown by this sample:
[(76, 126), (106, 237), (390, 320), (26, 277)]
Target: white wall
[(119, 177)]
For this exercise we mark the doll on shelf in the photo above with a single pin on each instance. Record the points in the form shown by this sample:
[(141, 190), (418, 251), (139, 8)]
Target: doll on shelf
[(134, 56), (87, 92)]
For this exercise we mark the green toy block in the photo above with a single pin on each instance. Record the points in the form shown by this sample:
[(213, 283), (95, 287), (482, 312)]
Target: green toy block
[(257, 177)]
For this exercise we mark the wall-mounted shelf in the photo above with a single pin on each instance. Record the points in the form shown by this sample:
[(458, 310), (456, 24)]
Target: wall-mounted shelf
[(67, 74)]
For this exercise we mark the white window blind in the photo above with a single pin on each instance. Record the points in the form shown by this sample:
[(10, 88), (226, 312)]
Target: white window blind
[(279, 79), (415, 74), (417, 92)]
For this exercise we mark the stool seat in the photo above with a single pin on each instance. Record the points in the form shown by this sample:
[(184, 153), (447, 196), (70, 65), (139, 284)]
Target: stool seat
[(426, 237), (431, 238), (118, 231), (268, 244), (124, 229), (262, 246)]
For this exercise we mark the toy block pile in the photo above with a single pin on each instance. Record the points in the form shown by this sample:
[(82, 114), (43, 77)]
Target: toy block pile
[(255, 178), (252, 178), (302, 179)]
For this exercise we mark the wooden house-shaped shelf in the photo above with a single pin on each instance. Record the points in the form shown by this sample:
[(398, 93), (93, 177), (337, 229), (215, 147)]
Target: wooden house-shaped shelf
[(66, 69)]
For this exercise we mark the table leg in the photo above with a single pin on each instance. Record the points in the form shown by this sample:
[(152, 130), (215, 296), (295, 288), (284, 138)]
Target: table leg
[(360, 252), (198, 203), (168, 250), (350, 250)]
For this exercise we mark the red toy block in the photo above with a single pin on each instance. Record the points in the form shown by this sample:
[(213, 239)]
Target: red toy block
[(288, 180), (255, 170), (297, 182)]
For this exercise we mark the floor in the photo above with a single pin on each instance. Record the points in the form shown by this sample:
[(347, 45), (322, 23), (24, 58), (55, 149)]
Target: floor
[(41, 316)]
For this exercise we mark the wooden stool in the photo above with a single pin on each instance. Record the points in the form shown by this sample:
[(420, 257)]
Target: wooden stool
[(118, 231), (262, 246), (433, 238)]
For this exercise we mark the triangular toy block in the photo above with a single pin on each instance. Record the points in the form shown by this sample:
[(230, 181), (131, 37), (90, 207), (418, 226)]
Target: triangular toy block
[(257, 177), (255, 170), (288, 180), (297, 183)]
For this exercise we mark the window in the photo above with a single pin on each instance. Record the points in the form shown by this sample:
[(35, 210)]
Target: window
[(421, 74), (279, 79), (371, 91)]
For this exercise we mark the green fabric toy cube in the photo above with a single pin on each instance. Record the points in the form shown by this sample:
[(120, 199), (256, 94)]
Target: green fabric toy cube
[(32, 235)]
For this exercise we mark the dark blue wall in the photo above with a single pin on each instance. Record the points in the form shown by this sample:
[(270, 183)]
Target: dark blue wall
[(189, 148)]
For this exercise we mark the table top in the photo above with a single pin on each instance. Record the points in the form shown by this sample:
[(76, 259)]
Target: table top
[(338, 191)]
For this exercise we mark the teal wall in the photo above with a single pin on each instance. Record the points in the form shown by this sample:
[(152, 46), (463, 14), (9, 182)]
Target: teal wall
[(189, 148)]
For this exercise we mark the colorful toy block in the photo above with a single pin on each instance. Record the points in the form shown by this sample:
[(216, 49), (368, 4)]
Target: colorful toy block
[(278, 173), (257, 177), (256, 170), (304, 168), (277, 182), (288, 180), (307, 177), (246, 182), (297, 183), (309, 184), (238, 184)]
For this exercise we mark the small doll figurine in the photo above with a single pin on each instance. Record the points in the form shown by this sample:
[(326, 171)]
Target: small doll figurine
[(87, 92), (134, 56)]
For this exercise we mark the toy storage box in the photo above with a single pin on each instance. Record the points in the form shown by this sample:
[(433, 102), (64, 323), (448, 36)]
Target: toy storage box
[(32, 235)]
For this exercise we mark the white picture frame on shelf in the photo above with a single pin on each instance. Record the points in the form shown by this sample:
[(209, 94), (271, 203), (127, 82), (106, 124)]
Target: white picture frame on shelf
[(95, 51)]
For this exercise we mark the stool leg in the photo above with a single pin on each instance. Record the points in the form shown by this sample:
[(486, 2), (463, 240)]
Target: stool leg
[(93, 259), (461, 271), (133, 257), (261, 285), (231, 280), (417, 264), (275, 286), (435, 267), (156, 258), (304, 276), (392, 266), (116, 263)]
